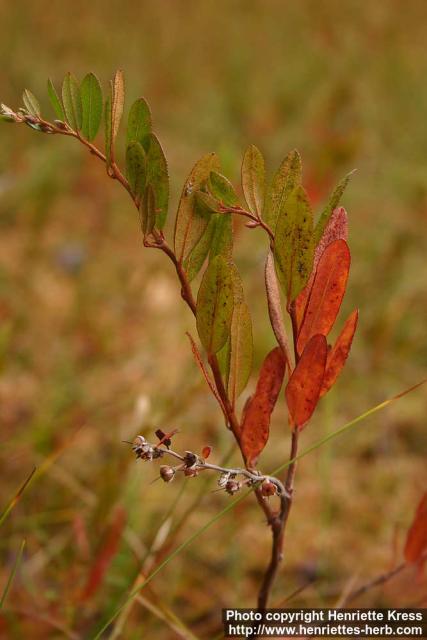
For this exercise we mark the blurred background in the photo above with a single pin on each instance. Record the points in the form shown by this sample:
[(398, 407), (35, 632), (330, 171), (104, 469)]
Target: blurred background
[(92, 336)]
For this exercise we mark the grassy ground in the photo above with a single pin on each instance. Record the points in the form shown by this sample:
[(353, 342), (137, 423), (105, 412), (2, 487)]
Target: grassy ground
[(92, 345)]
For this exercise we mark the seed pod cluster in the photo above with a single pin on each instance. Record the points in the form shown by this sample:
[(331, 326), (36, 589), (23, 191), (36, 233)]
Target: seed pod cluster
[(190, 464)]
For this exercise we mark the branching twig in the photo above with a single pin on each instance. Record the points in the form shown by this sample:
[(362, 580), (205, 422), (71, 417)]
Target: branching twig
[(192, 465), (254, 220), (276, 520)]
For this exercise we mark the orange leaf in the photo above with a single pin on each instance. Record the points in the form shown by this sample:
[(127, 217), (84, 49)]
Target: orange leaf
[(303, 389), (416, 540), (336, 229), (327, 292), (339, 352), (206, 452), (256, 421)]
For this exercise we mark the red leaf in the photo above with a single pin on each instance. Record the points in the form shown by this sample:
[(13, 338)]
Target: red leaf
[(339, 352), (206, 452), (336, 229), (256, 421), (416, 540), (105, 555), (303, 389), (327, 292)]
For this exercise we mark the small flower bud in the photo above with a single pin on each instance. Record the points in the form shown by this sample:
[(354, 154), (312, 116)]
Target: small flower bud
[(233, 486), (167, 473), (268, 488)]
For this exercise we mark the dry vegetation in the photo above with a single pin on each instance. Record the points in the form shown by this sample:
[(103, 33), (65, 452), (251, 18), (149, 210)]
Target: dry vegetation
[(92, 336)]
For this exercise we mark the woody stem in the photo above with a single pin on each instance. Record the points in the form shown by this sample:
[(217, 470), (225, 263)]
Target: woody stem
[(160, 242), (278, 525)]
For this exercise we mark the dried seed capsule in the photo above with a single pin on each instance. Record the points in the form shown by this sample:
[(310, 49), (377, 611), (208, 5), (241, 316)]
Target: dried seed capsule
[(268, 488), (190, 472), (190, 459), (138, 444), (223, 479), (167, 473), (146, 453), (142, 448), (233, 486)]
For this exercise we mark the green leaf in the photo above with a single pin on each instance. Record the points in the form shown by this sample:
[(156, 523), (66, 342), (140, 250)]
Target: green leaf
[(117, 102), (217, 239), (31, 103), (136, 168), (224, 354), (55, 101), (222, 189), (223, 358), (205, 202), (72, 101), (147, 211), (288, 177), (214, 307), (139, 121), (253, 179), (202, 210), (187, 223), (108, 132), (238, 294), (222, 243), (197, 256), (92, 102), (158, 177), (241, 351), (294, 247), (333, 202)]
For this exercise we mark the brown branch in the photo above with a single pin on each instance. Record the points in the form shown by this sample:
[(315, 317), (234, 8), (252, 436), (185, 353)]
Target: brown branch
[(278, 527), (279, 521)]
